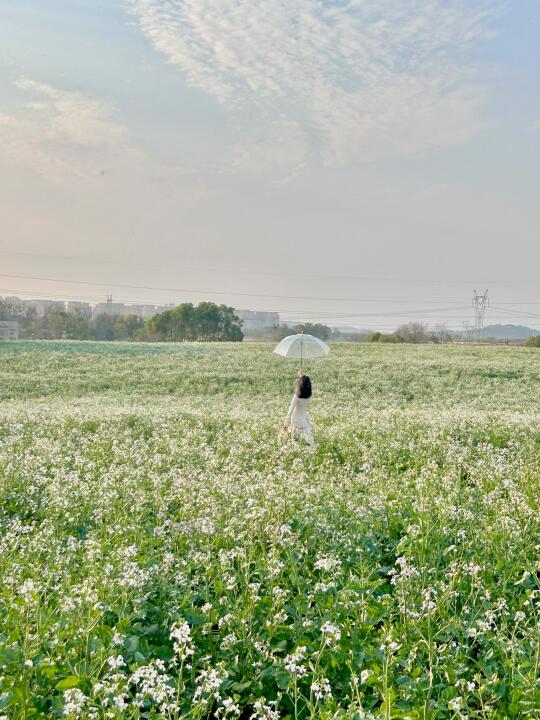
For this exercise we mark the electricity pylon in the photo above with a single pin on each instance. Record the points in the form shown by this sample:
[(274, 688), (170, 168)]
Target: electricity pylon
[(479, 303)]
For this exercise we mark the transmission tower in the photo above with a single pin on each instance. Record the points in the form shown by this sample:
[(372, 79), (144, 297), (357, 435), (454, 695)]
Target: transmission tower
[(479, 303)]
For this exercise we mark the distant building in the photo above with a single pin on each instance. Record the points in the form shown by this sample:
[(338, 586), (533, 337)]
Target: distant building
[(9, 330), (143, 311), (110, 308), (82, 308), (258, 320), (42, 307), (164, 308)]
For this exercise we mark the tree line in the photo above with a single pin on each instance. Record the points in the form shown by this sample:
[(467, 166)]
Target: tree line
[(413, 332), (206, 322)]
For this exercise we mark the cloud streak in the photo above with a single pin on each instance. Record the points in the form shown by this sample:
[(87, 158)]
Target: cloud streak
[(57, 133), (363, 79)]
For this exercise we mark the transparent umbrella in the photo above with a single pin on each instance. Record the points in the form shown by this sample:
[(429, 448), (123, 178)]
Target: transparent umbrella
[(302, 346)]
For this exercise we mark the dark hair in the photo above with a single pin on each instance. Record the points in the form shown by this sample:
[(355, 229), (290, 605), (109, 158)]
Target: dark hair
[(303, 386)]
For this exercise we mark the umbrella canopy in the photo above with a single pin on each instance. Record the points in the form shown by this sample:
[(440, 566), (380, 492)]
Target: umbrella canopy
[(302, 346)]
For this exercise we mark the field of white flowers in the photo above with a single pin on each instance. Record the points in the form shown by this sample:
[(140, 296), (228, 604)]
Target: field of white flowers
[(161, 555)]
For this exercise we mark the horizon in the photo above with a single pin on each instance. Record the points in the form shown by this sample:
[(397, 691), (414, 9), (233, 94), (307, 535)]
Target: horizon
[(466, 327)]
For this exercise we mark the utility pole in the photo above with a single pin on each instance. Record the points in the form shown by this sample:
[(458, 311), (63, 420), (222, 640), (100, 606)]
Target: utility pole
[(479, 303)]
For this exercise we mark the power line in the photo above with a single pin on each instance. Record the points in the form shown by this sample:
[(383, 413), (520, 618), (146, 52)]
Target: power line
[(313, 313), (224, 292), (511, 311), (251, 272), (423, 312)]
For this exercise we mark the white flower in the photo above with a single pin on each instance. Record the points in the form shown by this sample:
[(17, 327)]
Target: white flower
[(230, 707), (331, 633), (264, 711), (28, 589), (152, 683), (321, 689), (327, 563), (209, 682), (183, 644), (74, 702), (116, 662), (294, 660), (228, 641)]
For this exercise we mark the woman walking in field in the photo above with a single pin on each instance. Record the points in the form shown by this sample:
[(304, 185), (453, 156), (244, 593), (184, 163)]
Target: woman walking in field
[(297, 422)]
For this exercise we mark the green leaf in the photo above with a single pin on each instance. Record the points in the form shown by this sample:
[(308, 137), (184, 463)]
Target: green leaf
[(282, 679), (72, 681), (404, 680), (239, 687), (194, 618), (150, 629), (131, 643), (8, 655), (5, 699)]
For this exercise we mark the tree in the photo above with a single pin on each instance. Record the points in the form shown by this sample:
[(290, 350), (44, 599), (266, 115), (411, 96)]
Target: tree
[(373, 337), (323, 332), (413, 332), (533, 341), (158, 327), (207, 321), (390, 339), (441, 333), (381, 338), (230, 325), (103, 327), (14, 310), (78, 326), (183, 318), (319, 330), (126, 326)]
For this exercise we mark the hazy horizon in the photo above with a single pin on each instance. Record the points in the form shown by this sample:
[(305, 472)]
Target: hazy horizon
[(353, 162)]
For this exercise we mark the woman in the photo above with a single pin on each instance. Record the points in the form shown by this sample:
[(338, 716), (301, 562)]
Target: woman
[(297, 420)]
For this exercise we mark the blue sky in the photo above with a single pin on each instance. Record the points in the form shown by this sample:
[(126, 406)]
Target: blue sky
[(286, 145)]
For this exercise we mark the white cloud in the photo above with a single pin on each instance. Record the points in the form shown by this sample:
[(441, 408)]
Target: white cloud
[(58, 133), (363, 79)]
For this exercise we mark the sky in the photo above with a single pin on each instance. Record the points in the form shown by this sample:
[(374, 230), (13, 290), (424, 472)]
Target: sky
[(357, 162)]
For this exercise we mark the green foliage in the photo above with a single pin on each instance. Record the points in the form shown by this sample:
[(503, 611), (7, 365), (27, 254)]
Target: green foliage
[(206, 322), (533, 341), (373, 337), (323, 332), (378, 337), (163, 555), (13, 309)]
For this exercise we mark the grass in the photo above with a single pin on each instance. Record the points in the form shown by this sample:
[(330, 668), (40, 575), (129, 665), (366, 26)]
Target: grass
[(163, 556)]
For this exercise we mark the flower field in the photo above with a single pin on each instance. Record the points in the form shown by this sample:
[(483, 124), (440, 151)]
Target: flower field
[(163, 556)]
